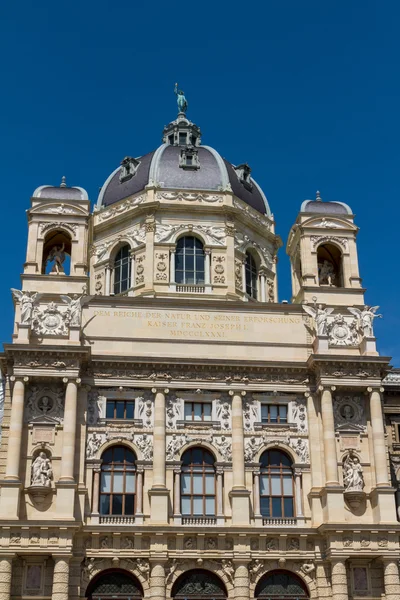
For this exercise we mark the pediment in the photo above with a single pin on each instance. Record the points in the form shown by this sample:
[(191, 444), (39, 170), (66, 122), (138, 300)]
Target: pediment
[(328, 222), (44, 420), (59, 208)]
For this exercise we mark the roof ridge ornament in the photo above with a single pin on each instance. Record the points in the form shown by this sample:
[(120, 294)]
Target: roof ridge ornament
[(181, 100), (63, 181), (318, 196)]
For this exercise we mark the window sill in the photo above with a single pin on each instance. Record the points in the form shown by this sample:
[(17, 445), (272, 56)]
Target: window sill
[(198, 424), (259, 425), (111, 422)]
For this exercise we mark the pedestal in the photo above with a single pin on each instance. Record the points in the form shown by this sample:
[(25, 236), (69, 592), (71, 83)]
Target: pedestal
[(383, 505), (159, 500), (368, 346), (75, 333), (9, 500), (321, 344), (240, 499), (333, 504), (24, 330)]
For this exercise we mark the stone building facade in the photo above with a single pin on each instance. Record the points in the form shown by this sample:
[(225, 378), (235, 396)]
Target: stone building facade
[(170, 429)]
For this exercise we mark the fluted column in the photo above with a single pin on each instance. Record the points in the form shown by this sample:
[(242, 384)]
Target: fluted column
[(241, 581), (69, 430), (237, 440), (60, 578), (331, 468), (157, 581), (339, 579), (5, 577), (158, 493), (378, 438), (96, 491), (15, 431), (391, 578)]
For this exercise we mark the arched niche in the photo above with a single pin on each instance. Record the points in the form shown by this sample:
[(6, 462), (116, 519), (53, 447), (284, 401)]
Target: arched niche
[(281, 585), (114, 583), (198, 584), (57, 248), (330, 265)]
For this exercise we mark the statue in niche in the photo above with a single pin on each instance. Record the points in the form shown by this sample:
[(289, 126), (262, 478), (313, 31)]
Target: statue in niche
[(353, 478), (41, 471), (27, 301), (320, 316), (366, 318), (326, 273), (73, 313), (181, 100), (57, 255)]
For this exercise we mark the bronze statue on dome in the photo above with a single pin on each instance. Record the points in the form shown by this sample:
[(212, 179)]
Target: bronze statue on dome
[(181, 100)]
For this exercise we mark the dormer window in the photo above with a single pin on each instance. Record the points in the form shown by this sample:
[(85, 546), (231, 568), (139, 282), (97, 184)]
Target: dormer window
[(243, 172), (129, 167), (189, 158), (182, 138)]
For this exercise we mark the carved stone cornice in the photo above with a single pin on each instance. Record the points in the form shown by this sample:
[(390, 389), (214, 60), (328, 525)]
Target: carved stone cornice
[(57, 361), (354, 371)]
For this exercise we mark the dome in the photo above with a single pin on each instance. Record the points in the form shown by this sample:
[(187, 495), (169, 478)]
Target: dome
[(166, 167), (63, 192), (319, 207)]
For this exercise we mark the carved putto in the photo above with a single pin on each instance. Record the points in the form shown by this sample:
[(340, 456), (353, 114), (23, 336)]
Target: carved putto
[(145, 443), (94, 441), (224, 446), (175, 444), (174, 410), (250, 414), (224, 413), (251, 448), (300, 446)]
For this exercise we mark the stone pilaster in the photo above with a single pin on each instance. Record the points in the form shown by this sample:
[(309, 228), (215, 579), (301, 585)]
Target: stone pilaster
[(159, 494), (321, 579), (157, 581), (241, 581), (5, 577), (391, 578), (60, 578), (339, 579), (334, 503), (239, 494)]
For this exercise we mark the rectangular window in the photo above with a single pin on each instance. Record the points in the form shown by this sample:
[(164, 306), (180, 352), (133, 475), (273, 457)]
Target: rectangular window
[(198, 411), (189, 160), (182, 139), (274, 413), (171, 139), (120, 409)]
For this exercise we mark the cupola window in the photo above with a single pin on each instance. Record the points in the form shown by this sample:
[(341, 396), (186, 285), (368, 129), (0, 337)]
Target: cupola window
[(189, 265), (171, 139), (182, 138), (189, 158), (129, 167), (122, 270), (251, 276), (243, 172)]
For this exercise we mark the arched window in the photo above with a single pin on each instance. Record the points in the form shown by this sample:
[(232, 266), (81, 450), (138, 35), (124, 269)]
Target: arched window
[(281, 585), (189, 261), (122, 270), (114, 584), (198, 584), (118, 481), (329, 259), (251, 276), (57, 253), (276, 485), (198, 483)]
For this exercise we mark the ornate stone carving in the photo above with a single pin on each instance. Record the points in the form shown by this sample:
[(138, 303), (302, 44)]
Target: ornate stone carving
[(347, 542), (189, 197), (27, 301), (224, 446), (93, 407), (140, 269), (228, 569), (365, 319), (271, 544), (252, 447), (238, 274), (353, 476), (349, 413), (293, 544), (44, 403), (145, 410), (174, 410), (223, 410), (211, 543), (382, 542), (73, 314), (49, 320), (271, 290), (299, 414), (255, 567), (214, 235), (189, 543), (161, 265), (175, 444), (145, 444), (143, 566), (300, 446), (219, 269), (252, 214), (120, 208), (308, 568), (94, 441), (320, 316), (250, 414), (41, 471), (316, 240), (342, 331), (45, 227), (242, 240)]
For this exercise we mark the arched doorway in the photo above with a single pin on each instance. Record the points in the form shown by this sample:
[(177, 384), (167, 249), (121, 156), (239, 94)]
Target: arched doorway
[(116, 584), (198, 584), (281, 585)]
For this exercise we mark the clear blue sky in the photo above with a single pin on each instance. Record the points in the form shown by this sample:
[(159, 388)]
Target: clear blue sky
[(308, 93)]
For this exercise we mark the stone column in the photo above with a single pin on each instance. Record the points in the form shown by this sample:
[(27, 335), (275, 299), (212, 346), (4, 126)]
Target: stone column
[(220, 494), (157, 581), (139, 495), (69, 430), (159, 494), (15, 431), (331, 468), (299, 499), (244, 276), (256, 495), (314, 437), (241, 581), (339, 579), (262, 287), (172, 265), (60, 578), (239, 494), (5, 577), (207, 267), (96, 491), (132, 282), (107, 284), (391, 578), (177, 496), (378, 438)]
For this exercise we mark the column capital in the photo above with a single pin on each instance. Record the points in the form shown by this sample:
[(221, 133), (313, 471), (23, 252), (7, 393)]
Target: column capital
[(22, 378), (56, 557), (157, 390), (237, 393), (67, 380), (375, 389), (329, 388)]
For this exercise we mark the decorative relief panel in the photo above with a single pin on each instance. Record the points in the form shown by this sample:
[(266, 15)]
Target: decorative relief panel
[(189, 197), (238, 274), (349, 413), (44, 403), (120, 208), (251, 414), (135, 237), (174, 410), (139, 268), (218, 269), (242, 240), (146, 409), (213, 234), (223, 412), (299, 414), (161, 266), (224, 446)]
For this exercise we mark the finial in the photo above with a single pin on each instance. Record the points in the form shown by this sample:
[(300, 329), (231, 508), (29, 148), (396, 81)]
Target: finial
[(181, 100), (63, 181), (318, 196)]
